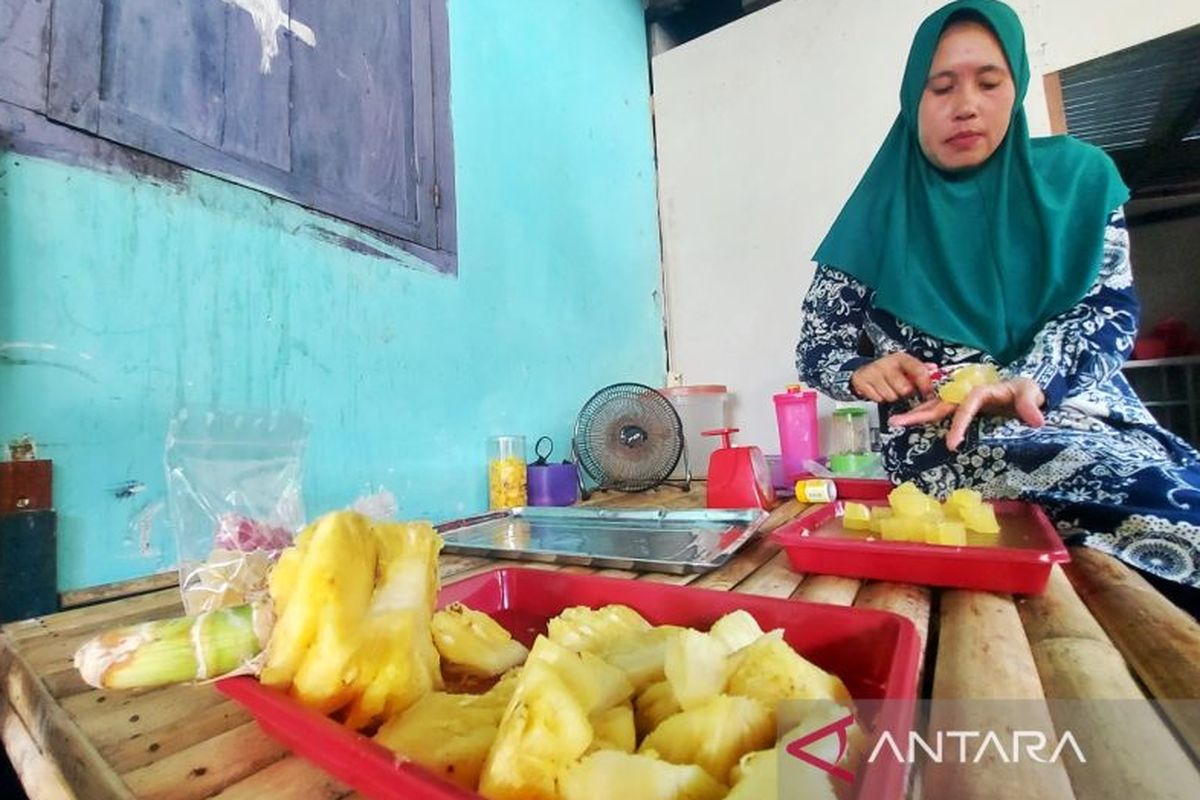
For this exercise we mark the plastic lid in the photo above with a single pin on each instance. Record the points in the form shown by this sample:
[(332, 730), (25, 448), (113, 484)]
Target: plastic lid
[(852, 411), (795, 388), (707, 388)]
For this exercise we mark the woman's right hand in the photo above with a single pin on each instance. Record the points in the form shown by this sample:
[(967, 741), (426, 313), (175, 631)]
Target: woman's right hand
[(892, 378)]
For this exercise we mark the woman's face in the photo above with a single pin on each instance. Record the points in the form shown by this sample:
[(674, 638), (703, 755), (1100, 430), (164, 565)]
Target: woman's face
[(967, 103)]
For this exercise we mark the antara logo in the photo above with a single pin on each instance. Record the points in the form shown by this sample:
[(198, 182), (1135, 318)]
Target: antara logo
[(1036, 747), (972, 747)]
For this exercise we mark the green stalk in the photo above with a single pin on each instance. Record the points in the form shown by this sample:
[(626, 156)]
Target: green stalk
[(202, 647)]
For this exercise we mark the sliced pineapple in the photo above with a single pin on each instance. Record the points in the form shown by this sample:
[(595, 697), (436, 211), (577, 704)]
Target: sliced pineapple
[(715, 735), (613, 729), (610, 774), (696, 664), (640, 655), (735, 630), (316, 636), (472, 642), (544, 729), (756, 776), (397, 661), (356, 598), (656, 703), (596, 684), (449, 734), (771, 671), (582, 628), (546, 726)]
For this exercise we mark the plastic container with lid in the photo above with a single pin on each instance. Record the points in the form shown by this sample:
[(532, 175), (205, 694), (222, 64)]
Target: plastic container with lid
[(799, 437), (700, 408), (850, 445)]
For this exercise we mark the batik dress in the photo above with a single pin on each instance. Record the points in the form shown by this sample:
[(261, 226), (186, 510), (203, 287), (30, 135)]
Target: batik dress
[(1107, 474)]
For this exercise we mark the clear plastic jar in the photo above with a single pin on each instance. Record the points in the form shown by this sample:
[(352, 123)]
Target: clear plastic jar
[(506, 472)]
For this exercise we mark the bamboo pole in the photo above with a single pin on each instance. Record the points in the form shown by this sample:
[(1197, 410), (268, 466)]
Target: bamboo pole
[(985, 681), (1132, 751), (1160, 641)]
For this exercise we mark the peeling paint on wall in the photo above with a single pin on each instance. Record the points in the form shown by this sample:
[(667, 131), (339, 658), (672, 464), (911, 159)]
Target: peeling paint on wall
[(269, 17)]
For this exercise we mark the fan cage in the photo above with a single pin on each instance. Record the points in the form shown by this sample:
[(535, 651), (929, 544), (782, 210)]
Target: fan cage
[(628, 437)]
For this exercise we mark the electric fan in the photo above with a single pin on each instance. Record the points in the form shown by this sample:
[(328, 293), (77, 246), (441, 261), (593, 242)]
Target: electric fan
[(628, 437)]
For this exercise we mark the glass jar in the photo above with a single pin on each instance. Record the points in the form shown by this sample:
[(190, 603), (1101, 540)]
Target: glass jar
[(506, 472)]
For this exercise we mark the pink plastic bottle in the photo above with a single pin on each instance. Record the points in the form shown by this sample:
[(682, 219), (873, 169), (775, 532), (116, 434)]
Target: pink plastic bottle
[(799, 441)]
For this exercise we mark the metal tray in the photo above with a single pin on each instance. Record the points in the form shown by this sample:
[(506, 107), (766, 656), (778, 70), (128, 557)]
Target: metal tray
[(655, 540)]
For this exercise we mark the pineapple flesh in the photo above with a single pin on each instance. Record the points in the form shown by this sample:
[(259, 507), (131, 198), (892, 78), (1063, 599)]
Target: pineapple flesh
[(610, 774), (473, 643), (354, 602), (450, 734), (715, 735)]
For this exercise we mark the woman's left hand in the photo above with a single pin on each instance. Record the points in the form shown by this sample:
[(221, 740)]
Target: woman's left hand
[(1019, 397)]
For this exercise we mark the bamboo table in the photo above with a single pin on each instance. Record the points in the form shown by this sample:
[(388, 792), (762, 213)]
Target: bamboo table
[(1099, 631)]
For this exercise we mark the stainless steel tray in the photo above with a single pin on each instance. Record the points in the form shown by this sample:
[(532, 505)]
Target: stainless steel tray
[(641, 539)]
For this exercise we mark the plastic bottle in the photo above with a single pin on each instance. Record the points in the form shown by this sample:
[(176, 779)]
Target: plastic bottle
[(799, 439)]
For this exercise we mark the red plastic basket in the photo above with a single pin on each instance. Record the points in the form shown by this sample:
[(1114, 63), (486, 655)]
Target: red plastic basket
[(817, 542), (875, 653)]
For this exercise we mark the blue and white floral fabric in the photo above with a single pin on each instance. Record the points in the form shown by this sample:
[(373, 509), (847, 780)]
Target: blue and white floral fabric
[(1104, 470)]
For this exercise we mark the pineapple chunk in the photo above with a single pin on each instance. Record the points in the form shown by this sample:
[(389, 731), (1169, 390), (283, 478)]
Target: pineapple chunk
[(610, 774), (902, 529), (544, 728), (878, 515), (967, 378), (653, 705), (961, 499), (954, 392), (472, 642), (356, 599), (315, 637), (281, 580), (641, 655), (735, 630), (756, 776), (856, 517), (980, 519), (771, 671), (596, 684), (696, 666), (396, 661), (614, 729), (907, 500), (950, 532), (449, 734), (715, 735), (583, 628)]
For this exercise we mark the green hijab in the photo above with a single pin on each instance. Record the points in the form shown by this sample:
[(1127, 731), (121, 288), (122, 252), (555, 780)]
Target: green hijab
[(984, 256)]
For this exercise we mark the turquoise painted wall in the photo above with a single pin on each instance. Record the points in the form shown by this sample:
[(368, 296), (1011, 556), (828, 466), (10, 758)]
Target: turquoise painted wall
[(121, 299)]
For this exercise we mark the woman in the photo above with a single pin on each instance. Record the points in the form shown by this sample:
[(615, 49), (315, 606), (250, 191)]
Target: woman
[(967, 241)]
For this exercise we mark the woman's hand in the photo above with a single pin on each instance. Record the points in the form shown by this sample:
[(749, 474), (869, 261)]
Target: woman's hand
[(892, 378), (1019, 397)]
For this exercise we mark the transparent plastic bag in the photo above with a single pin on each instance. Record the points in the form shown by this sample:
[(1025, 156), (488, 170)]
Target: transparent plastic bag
[(234, 499)]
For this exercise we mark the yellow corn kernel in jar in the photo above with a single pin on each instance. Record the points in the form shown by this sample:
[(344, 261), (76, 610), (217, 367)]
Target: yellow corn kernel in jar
[(506, 482)]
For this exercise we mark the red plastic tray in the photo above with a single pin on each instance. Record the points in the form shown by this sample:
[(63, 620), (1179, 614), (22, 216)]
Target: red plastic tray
[(1029, 546), (875, 653)]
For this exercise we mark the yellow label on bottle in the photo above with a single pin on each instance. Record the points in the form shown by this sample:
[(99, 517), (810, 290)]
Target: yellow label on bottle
[(816, 490)]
